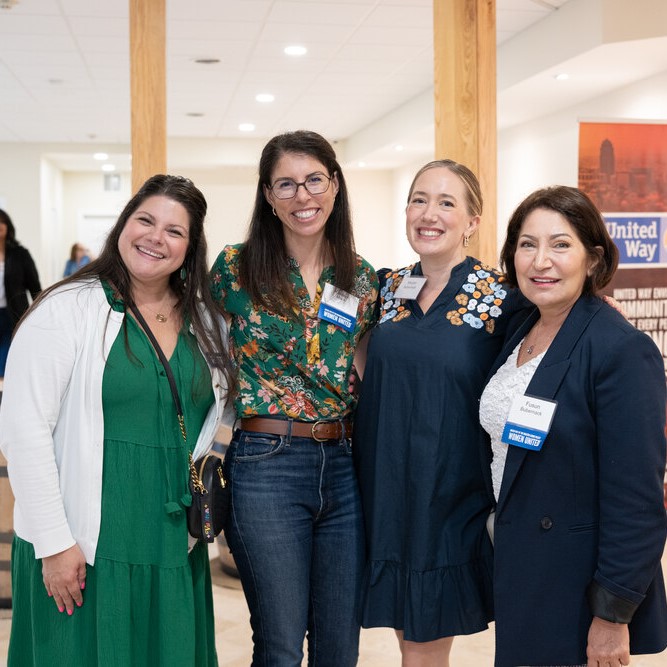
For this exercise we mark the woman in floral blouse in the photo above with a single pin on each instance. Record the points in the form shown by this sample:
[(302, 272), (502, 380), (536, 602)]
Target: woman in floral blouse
[(425, 501), (299, 298)]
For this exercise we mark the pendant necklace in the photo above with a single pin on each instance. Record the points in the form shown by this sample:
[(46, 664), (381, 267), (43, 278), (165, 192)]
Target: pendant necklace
[(530, 348), (160, 317)]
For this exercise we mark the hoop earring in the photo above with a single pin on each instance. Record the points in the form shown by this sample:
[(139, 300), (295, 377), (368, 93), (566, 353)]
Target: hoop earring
[(274, 211), (466, 241)]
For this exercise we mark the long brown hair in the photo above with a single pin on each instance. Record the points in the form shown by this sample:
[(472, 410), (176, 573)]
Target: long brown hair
[(263, 260), (191, 292)]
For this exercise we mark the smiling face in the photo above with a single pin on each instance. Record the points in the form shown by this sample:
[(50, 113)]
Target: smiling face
[(154, 241), (551, 262), (437, 216), (304, 216)]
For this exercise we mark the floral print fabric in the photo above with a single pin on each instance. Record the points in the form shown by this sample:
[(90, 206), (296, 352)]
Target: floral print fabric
[(297, 368), (480, 299)]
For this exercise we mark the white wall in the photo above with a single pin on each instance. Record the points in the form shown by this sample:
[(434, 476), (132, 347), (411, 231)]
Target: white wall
[(545, 152)]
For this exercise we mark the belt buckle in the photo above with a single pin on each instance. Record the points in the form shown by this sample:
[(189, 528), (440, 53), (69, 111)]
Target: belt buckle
[(312, 431)]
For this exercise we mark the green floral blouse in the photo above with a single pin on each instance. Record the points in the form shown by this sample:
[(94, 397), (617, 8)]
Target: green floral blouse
[(296, 368)]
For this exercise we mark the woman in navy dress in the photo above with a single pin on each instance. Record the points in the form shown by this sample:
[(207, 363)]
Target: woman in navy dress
[(417, 432)]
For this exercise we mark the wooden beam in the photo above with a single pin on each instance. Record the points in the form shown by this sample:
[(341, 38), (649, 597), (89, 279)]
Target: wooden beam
[(465, 102), (148, 86)]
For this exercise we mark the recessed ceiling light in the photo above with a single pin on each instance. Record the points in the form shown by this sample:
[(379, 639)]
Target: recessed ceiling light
[(398, 147), (207, 61), (246, 127), (108, 167), (100, 156), (362, 163), (562, 76), (296, 50), (264, 97)]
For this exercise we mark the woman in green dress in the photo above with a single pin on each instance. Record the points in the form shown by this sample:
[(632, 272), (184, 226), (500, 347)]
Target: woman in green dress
[(102, 569)]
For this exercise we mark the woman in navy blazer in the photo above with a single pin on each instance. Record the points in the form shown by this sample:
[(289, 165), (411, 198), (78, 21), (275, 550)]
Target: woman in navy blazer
[(580, 523)]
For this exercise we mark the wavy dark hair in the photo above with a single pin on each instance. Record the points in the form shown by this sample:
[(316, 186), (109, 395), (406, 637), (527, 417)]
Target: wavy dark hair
[(192, 292), (10, 239), (578, 209), (263, 260)]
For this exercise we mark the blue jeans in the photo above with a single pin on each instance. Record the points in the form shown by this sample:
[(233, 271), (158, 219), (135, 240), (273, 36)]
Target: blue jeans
[(296, 534)]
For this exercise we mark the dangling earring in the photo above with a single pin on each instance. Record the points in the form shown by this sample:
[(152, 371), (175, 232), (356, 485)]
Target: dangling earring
[(274, 211), (183, 274), (466, 241)]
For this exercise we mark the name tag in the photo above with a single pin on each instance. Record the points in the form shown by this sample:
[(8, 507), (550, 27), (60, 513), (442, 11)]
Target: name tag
[(410, 287), (338, 307), (528, 422)]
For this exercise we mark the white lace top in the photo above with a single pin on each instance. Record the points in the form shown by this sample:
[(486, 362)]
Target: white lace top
[(494, 406)]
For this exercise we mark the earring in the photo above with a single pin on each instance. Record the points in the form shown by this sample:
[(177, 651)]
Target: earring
[(274, 211), (466, 241), (183, 274)]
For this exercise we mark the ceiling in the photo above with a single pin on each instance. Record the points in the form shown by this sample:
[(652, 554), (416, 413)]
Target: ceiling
[(365, 82)]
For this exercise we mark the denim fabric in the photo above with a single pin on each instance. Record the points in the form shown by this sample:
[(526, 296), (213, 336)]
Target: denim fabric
[(295, 531), (5, 338)]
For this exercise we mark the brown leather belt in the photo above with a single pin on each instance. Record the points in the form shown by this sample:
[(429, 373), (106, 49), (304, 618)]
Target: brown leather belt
[(319, 430)]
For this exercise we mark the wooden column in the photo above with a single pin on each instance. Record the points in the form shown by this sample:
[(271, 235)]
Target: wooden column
[(148, 86), (465, 101)]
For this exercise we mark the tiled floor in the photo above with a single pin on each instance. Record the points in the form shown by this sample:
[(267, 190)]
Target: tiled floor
[(378, 647)]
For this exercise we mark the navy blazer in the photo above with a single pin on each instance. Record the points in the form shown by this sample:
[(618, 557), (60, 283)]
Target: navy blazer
[(580, 525)]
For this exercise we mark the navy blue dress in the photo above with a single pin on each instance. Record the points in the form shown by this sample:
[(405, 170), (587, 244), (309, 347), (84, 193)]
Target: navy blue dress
[(418, 447)]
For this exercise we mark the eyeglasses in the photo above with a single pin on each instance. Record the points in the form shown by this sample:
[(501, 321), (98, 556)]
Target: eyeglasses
[(315, 184)]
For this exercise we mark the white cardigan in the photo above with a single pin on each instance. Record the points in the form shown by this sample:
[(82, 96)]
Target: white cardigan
[(51, 419)]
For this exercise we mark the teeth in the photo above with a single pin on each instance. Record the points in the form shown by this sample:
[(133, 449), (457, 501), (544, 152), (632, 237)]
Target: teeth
[(429, 232), (543, 280), (306, 214), (152, 253)]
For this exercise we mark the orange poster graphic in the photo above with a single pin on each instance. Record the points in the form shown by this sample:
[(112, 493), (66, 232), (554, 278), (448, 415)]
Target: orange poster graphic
[(623, 169)]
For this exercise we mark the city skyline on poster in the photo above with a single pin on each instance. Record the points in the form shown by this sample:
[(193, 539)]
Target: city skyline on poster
[(623, 169)]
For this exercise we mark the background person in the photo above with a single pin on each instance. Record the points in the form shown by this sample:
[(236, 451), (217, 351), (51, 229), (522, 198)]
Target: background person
[(78, 257), (295, 528), (18, 278), (95, 454), (417, 432), (580, 523)]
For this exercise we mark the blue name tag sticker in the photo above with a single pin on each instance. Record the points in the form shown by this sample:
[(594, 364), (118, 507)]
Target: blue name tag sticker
[(528, 422), (338, 307), (337, 317)]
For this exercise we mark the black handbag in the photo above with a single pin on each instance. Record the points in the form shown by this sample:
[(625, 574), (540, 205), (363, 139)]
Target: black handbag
[(210, 498), (210, 492)]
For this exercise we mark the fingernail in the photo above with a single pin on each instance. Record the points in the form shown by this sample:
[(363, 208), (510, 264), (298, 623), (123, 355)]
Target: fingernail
[(61, 609), (70, 612), (83, 585), (78, 604), (50, 595)]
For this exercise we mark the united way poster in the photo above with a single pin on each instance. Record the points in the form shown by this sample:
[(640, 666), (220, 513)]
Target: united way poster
[(623, 168)]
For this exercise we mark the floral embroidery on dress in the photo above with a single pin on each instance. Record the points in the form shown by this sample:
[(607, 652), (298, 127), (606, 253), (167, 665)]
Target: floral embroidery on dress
[(481, 299), (390, 307)]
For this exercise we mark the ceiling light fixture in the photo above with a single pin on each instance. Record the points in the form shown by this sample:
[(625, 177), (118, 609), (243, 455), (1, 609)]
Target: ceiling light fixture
[(108, 167), (296, 50), (264, 97), (562, 76), (100, 156), (398, 147), (246, 127)]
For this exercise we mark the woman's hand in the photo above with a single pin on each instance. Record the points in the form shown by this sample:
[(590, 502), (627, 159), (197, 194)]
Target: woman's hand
[(608, 644), (64, 576)]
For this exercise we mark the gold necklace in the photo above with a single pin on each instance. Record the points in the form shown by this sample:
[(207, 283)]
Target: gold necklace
[(530, 348), (160, 317)]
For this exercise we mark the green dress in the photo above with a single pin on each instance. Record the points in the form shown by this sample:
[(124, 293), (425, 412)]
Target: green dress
[(146, 600)]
